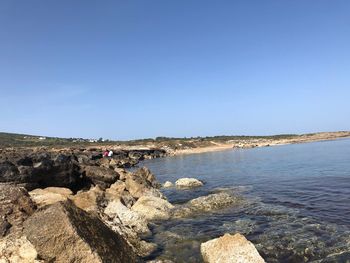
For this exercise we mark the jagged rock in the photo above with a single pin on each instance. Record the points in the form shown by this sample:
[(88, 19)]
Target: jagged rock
[(128, 217), (115, 191), (152, 208), (100, 175), (230, 248), (160, 261), (145, 173), (188, 183), (50, 195), (15, 207), (168, 184), (206, 203), (76, 237), (89, 200), (9, 172), (142, 183)]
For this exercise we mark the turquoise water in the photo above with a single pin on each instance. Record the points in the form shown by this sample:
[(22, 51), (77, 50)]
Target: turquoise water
[(297, 205)]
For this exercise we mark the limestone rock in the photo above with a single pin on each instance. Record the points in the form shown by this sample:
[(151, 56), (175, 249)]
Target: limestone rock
[(188, 183), (76, 237), (153, 208), (18, 250), (139, 186), (49, 195), (115, 191), (128, 217), (206, 203), (168, 184), (230, 248), (89, 200)]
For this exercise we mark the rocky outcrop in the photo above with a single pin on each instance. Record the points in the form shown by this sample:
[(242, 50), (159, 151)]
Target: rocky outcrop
[(230, 248), (188, 183), (65, 233), (206, 203), (42, 171), (153, 208)]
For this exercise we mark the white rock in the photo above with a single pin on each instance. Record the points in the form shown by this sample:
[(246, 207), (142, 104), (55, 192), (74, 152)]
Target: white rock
[(128, 217), (167, 184), (152, 207), (188, 183), (230, 248)]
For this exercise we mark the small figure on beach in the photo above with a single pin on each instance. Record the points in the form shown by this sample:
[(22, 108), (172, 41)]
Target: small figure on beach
[(105, 153)]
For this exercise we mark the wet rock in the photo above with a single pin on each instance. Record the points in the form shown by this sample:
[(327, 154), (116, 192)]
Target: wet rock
[(89, 200), (168, 184), (153, 208), (50, 195), (206, 203), (100, 175), (76, 237), (128, 217), (188, 183), (15, 207), (230, 248), (142, 183)]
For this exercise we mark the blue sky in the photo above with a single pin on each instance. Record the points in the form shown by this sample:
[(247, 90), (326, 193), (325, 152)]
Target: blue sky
[(137, 69)]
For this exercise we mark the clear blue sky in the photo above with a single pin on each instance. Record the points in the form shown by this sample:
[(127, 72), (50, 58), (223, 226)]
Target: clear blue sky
[(136, 69)]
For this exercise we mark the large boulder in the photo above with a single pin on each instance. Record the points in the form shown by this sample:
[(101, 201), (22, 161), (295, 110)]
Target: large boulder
[(15, 207), (153, 208), (230, 248), (50, 195), (76, 237), (206, 203), (188, 183), (100, 175), (142, 183)]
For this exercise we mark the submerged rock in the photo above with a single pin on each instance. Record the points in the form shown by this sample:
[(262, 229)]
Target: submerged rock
[(168, 184), (64, 233), (230, 248), (153, 208), (188, 183), (206, 203)]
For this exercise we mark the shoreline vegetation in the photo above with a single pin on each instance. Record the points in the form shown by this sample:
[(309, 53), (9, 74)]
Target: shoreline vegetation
[(101, 205)]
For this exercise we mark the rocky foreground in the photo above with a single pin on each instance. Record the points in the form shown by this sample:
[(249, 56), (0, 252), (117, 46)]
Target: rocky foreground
[(76, 206)]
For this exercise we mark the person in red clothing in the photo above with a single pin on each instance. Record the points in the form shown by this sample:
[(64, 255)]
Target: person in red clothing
[(105, 153)]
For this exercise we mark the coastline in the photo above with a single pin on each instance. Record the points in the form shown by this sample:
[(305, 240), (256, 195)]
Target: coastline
[(318, 137)]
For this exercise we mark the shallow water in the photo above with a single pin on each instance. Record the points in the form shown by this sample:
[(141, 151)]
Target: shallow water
[(297, 205)]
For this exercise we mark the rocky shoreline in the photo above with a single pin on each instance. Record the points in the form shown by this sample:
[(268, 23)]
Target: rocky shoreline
[(73, 205)]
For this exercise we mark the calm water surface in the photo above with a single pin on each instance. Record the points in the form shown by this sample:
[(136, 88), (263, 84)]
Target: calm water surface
[(297, 205)]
